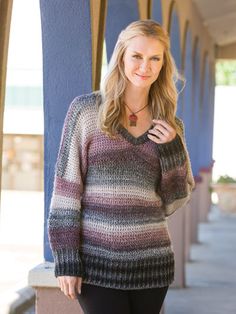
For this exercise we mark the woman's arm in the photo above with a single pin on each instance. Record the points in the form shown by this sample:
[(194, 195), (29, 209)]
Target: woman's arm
[(65, 207), (177, 180)]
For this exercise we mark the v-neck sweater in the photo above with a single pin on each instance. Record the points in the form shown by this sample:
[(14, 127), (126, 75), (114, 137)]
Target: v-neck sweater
[(111, 199)]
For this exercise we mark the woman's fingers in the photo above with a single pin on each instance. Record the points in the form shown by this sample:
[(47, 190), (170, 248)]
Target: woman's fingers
[(69, 285), (154, 139), (61, 283), (79, 283), (162, 129), (157, 133), (71, 290), (65, 288), (163, 123), (162, 132)]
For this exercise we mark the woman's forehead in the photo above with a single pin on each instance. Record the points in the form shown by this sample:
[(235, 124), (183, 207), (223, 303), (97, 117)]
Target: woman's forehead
[(145, 45)]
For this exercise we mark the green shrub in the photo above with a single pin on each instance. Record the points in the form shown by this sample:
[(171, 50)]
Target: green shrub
[(226, 179)]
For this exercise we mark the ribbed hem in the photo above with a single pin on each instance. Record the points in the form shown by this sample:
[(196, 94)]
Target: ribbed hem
[(68, 263), (152, 272), (172, 154)]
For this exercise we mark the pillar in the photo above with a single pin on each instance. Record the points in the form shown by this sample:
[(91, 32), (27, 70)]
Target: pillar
[(206, 144), (187, 115), (177, 221), (67, 72)]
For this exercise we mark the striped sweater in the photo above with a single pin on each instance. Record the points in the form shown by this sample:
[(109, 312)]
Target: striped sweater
[(111, 199)]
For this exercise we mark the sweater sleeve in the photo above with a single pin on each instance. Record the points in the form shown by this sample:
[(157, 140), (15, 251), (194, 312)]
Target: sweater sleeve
[(65, 206), (177, 182)]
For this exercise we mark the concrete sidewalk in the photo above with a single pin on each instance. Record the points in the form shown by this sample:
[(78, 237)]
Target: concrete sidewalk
[(21, 245), (211, 274)]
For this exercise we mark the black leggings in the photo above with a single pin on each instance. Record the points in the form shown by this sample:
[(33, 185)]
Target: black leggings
[(99, 300)]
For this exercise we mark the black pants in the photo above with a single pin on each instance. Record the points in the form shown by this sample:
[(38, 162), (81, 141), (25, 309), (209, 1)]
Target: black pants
[(98, 300)]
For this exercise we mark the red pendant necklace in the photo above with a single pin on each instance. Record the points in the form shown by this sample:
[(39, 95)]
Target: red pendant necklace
[(132, 117)]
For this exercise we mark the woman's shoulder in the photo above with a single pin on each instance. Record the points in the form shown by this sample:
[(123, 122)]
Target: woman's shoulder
[(179, 121), (83, 111), (86, 102), (180, 124)]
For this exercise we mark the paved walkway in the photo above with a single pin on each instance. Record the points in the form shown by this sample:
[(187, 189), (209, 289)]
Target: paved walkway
[(21, 241), (211, 274)]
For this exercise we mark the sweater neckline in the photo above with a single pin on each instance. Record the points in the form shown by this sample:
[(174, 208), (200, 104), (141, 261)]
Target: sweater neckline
[(132, 139)]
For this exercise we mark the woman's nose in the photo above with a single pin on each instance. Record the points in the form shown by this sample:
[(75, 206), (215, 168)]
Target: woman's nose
[(144, 66)]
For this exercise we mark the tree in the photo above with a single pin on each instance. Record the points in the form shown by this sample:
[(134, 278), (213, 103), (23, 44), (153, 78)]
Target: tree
[(226, 72)]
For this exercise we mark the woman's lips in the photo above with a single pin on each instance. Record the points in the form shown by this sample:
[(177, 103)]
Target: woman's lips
[(143, 77)]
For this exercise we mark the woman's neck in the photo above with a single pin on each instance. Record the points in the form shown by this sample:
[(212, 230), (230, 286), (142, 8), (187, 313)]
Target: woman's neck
[(136, 98), (136, 102)]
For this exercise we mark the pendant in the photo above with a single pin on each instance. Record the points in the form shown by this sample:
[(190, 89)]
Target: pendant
[(133, 119)]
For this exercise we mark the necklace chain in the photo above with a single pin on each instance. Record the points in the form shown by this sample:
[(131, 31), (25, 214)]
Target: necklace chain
[(136, 111), (133, 117)]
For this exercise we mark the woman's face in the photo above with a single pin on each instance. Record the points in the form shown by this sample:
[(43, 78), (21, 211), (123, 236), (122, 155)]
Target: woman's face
[(143, 60)]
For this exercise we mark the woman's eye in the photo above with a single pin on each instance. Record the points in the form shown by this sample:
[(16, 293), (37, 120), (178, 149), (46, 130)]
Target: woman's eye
[(136, 56), (156, 59)]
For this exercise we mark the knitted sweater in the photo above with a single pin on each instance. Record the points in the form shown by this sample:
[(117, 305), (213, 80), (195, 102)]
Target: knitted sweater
[(111, 199)]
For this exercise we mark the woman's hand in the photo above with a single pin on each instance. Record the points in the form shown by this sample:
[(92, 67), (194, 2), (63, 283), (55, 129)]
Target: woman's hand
[(162, 132), (70, 286)]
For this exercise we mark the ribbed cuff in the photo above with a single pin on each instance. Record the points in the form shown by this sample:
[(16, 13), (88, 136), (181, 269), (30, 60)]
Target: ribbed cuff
[(172, 154), (68, 263)]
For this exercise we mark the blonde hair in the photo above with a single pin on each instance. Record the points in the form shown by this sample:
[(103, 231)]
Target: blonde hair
[(163, 94)]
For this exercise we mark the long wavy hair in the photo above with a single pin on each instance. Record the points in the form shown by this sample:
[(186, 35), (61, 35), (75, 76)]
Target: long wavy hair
[(163, 93)]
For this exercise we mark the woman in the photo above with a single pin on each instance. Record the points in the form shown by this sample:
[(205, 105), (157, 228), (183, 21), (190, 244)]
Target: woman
[(122, 169)]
